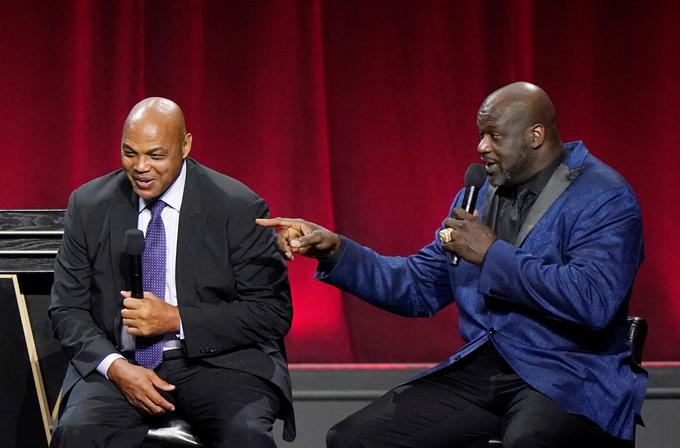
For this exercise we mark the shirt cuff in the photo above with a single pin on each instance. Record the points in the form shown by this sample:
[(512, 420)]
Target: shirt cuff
[(103, 366), (180, 335)]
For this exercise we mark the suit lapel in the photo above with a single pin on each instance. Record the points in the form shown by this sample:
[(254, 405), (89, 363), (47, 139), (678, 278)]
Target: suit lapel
[(490, 206), (559, 181), (122, 216), (192, 224)]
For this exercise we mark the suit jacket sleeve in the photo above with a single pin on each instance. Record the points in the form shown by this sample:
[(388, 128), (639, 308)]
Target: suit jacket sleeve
[(417, 285), (600, 254), (259, 307), (71, 306)]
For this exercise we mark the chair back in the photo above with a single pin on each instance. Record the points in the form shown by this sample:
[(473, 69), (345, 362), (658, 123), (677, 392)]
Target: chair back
[(637, 334)]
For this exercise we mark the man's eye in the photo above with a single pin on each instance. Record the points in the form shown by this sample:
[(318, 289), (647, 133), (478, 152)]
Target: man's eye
[(157, 156), (128, 154), (495, 136)]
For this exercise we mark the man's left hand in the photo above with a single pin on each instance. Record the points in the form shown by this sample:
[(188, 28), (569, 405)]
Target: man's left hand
[(471, 238), (148, 316)]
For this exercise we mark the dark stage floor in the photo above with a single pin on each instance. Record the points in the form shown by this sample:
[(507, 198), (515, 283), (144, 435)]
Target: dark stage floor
[(326, 393)]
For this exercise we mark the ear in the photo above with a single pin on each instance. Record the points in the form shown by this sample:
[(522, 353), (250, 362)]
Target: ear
[(186, 146), (536, 135)]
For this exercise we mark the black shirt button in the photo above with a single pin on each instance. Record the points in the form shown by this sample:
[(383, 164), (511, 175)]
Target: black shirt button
[(492, 330)]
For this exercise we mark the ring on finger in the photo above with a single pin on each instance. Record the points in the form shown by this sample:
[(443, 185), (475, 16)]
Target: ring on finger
[(446, 235)]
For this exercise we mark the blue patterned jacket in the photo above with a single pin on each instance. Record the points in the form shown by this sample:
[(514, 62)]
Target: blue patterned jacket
[(554, 304)]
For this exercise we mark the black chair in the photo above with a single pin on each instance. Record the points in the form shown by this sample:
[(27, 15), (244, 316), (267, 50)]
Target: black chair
[(637, 333)]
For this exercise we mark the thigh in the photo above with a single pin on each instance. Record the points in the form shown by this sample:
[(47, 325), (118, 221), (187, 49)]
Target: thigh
[(225, 407), (534, 420), (420, 414), (97, 414)]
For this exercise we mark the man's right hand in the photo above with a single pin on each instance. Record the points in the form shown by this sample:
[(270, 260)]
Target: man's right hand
[(139, 387), (298, 236)]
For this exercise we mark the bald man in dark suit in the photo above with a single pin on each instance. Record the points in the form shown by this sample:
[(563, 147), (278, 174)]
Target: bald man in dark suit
[(219, 316)]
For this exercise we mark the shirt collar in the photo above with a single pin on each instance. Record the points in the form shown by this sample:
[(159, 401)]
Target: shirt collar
[(174, 194)]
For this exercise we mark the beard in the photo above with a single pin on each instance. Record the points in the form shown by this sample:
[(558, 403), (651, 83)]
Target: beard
[(506, 176)]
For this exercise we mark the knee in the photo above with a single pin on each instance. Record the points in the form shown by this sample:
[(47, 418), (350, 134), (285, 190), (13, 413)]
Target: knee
[(334, 438), (244, 431), (346, 434), (525, 438), (68, 430), (62, 433), (70, 434), (251, 425)]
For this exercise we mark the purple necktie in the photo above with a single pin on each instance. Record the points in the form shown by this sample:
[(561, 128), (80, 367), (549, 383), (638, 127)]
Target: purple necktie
[(149, 350)]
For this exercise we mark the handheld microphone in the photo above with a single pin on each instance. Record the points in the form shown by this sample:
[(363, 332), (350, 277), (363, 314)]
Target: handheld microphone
[(133, 242), (474, 179)]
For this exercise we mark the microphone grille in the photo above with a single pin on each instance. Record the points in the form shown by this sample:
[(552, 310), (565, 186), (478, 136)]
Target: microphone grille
[(475, 175), (133, 242)]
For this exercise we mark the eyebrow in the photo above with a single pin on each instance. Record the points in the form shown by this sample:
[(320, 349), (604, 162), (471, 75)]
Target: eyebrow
[(157, 149)]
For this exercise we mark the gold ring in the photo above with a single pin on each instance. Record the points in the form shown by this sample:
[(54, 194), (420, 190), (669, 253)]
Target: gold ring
[(446, 235)]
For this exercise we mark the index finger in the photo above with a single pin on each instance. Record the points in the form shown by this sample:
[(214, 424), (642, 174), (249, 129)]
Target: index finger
[(460, 213), (286, 223), (449, 222), (131, 303), (161, 400), (155, 400)]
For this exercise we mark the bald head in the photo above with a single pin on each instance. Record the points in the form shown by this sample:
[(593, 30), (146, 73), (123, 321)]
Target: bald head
[(163, 114), (526, 104), (154, 145), (518, 133)]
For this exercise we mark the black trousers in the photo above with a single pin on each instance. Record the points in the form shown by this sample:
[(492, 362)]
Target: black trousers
[(225, 408), (464, 406)]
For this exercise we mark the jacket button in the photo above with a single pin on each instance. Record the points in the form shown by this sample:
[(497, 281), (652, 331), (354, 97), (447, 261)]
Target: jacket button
[(492, 330)]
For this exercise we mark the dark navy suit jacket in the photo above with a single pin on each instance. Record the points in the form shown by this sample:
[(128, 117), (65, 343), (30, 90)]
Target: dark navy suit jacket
[(232, 286), (554, 304)]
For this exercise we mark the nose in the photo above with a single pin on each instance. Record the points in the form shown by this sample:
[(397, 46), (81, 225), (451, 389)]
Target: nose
[(141, 164), (484, 146)]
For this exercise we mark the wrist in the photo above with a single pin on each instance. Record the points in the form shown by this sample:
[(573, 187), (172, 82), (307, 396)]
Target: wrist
[(173, 319), (335, 247), (331, 257), (114, 369)]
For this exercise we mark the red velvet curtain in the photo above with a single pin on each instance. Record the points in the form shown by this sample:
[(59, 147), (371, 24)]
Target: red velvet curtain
[(359, 115)]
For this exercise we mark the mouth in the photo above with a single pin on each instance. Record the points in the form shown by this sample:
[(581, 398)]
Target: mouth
[(489, 165), (143, 184)]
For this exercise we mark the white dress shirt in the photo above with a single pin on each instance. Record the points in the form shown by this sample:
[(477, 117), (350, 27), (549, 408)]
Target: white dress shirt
[(170, 214)]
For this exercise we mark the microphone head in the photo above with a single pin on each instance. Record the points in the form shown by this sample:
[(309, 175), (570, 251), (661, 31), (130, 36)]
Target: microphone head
[(475, 175), (133, 242)]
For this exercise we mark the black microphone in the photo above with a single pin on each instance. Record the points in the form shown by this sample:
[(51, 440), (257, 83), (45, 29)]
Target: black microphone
[(133, 242), (474, 179)]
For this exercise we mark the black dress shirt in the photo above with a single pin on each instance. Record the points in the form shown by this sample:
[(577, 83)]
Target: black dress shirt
[(514, 202)]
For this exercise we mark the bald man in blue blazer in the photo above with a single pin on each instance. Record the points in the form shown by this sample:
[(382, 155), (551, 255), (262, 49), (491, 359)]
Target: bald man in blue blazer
[(542, 290)]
